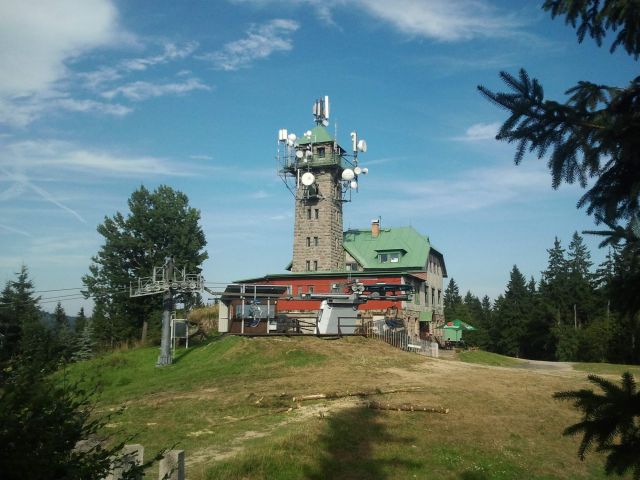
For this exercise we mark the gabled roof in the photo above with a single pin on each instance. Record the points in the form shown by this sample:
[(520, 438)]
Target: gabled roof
[(319, 134), (365, 249)]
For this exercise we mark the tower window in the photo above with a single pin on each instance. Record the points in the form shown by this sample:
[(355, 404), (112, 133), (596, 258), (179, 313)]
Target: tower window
[(321, 152), (315, 265), (316, 241), (317, 213), (308, 265), (308, 241), (309, 214)]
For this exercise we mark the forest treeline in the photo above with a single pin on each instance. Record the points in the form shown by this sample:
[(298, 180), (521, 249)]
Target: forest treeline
[(576, 312)]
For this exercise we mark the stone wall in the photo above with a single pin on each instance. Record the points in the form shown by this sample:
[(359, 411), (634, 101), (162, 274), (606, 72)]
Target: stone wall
[(317, 236)]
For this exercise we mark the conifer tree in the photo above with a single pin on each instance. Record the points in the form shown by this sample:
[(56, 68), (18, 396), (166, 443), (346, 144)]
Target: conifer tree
[(81, 319), (512, 315), (596, 132), (85, 343), (580, 290)]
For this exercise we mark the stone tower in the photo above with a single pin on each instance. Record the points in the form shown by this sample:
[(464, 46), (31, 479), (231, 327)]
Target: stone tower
[(317, 232), (320, 174)]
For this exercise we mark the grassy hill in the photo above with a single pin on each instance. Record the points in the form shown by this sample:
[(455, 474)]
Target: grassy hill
[(228, 404)]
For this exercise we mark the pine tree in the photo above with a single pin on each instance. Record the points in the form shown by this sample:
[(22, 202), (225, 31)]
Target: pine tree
[(512, 315), (452, 295), (81, 319), (580, 280), (553, 286), (85, 343), (20, 314), (596, 132)]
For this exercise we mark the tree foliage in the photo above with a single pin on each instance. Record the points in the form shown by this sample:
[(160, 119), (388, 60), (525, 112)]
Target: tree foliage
[(610, 422), (160, 224), (593, 134)]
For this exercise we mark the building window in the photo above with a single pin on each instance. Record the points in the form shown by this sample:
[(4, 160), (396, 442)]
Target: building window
[(316, 241), (317, 214), (394, 257), (308, 214), (299, 291), (439, 296), (310, 288), (308, 241), (315, 265), (308, 265), (383, 258), (321, 152), (426, 296), (433, 297)]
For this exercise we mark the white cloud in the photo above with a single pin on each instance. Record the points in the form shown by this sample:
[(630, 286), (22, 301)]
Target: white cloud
[(37, 38), (442, 20), (171, 52), (140, 90), (260, 42), (480, 131), (63, 157), (21, 112), (474, 189)]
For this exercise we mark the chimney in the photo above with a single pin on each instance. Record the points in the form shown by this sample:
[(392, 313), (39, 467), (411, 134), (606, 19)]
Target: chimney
[(375, 228)]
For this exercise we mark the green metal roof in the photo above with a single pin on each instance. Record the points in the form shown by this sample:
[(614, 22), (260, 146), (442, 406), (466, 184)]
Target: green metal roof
[(365, 249), (319, 134), (458, 325)]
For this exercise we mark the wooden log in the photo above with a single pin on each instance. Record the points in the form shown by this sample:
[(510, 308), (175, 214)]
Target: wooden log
[(406, 407), (367, 393)]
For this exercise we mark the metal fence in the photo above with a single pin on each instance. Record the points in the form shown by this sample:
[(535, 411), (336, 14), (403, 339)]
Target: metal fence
[(398, 338)]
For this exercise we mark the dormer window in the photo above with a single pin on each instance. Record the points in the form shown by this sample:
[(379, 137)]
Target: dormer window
[(321, 152), (389, 257)]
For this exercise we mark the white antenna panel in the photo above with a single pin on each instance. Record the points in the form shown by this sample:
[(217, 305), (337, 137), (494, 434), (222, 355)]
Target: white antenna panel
[(325, 122), (308, 178), (326, 106), (354, 140), (348, 175), (282, 135)]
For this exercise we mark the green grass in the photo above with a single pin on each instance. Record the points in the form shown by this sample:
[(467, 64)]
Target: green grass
[(607, 368), (222, 402), (488, 358)]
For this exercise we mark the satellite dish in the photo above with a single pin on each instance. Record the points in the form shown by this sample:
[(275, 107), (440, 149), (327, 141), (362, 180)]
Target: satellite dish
[(308, 153), (362, 145), (307, 133), (357, 170), (299, 153), (347, 174), (308, 178), (365, 170), (354, 184), (290, 142), (292, 137)]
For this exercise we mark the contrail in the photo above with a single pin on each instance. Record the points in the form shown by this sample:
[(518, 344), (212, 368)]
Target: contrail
[(24, 180), (16, 230)]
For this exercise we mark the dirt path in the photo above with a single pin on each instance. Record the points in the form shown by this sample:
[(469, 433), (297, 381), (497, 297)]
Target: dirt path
[(544, 365)]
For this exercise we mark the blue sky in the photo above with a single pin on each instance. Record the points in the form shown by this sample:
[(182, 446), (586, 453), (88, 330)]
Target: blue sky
[(98, 97)]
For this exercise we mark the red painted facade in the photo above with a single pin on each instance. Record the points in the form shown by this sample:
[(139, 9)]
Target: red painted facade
[(315, 284)]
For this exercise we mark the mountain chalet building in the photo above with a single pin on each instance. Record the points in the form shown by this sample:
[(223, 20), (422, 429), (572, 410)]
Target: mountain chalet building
[(322, 177)]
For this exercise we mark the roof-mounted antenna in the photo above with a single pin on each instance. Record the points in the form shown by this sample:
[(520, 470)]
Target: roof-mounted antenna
[(321, 111)]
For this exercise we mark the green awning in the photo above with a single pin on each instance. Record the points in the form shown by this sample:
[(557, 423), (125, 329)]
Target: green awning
[(458, 325)]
